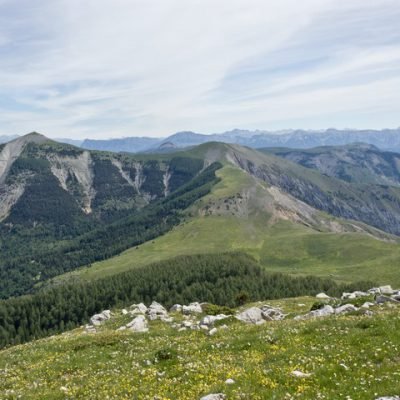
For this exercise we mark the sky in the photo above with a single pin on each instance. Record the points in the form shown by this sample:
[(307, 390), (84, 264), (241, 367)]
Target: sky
[(102, 68)]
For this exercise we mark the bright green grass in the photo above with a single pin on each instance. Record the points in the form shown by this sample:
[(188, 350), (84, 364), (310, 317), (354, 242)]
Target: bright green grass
[(348, 357), (279, 246)]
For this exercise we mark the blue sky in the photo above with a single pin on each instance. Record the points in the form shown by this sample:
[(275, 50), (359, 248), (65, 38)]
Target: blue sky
[(102, 68)]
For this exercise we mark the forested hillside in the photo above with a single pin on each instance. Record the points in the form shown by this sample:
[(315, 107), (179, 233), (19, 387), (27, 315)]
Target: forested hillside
[(223, 279)]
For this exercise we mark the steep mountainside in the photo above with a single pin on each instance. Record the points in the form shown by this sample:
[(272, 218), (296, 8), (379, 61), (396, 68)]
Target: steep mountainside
[(358, 163), (375, 205), (57, 199), (65, 207), (283, 233)]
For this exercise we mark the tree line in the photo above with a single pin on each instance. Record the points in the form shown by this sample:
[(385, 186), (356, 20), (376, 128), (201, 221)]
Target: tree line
[(228, 279)]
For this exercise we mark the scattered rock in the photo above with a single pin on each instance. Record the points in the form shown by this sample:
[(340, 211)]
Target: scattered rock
[(192, 308), (321, 312), (322, 296), (214, 396), (384, 299), (354, 295), (121, 328), (157, 311), (176, 308), (209, 320), (345, 308), (299, 374), (387, 289), (138, 309), (90, 329), (270, 313), (367, 304), (213, 331), (124, 311), (388, 398), (138, 324), (258, 316), (98, 319), (252, 315), (229, 381)]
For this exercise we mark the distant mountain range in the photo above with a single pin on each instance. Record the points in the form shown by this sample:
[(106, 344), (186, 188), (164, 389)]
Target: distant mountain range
[(385, 139)]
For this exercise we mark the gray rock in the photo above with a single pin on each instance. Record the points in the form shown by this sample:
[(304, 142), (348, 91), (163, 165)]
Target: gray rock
[(90, 329), (252, 315), (156, 311), (138, 309), (367, 304), (192, 308), (388, 398), (98, 319), (387, 289), (270, 313), (322, 296), (354, 295), (124, 311), (385, 299), (229, 381), (209, 320), (176, 308), (300, 374), (213, 331), (348, 296), (138, 324), (121, 328), (322, 312), (214, 396), (345, 308)]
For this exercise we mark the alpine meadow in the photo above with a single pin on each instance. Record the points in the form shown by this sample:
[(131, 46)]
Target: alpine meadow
[(255, 257)]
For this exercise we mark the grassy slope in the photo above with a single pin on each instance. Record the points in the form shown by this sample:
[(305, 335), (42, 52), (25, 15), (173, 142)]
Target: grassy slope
[(281, 246), (349, 357)]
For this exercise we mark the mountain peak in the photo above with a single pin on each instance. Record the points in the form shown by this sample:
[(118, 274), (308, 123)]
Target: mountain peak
[(34, 136)]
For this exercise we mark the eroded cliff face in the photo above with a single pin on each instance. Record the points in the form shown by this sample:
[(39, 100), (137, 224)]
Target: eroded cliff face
[(79, 170), (375, 205), (100, 184)]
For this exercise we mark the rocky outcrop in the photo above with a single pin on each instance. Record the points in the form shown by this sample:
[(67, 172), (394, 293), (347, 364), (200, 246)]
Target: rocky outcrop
[(258, 316), (98, 319), (138, 324), (157, 311), (192, 308), (137, 309)]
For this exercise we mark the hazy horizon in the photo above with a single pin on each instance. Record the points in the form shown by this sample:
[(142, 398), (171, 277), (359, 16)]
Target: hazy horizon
[(132, 68)]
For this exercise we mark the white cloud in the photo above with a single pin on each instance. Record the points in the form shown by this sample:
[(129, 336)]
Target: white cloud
[(101, 68)]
